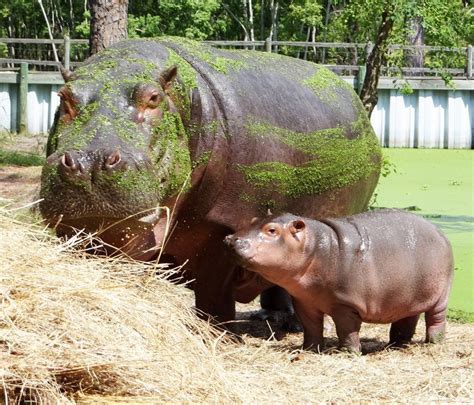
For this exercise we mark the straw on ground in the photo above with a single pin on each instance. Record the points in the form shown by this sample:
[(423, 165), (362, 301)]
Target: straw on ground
[(85, 329)]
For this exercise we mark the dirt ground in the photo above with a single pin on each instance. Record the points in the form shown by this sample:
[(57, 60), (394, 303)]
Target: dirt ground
[(19, 184)]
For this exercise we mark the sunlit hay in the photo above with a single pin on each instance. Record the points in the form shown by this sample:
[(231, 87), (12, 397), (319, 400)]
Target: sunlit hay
[(73, 323), (76, 328)]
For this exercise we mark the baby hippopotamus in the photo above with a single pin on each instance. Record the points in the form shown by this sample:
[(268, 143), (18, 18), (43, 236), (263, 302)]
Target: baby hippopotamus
[(385, 266)]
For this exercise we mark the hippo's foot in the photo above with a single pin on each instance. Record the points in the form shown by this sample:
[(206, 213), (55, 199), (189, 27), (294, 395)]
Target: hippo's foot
[(277, 307), (435, 330), (287, 320), (357, 351), (402, 331), (312, 345), (264, 315), (292, 324), (348, 323), (435, 324)]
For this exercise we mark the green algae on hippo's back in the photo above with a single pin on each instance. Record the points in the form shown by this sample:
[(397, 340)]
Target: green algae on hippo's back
[(334, 159), (171, 122)]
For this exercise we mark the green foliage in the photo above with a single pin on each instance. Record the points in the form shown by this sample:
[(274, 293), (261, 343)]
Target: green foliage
[(192, 19), (20, 158), (446, 23), (459, 316), (3, 50)]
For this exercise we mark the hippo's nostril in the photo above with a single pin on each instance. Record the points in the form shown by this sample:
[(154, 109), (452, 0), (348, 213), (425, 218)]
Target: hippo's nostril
[(113, 160), (68, 161), (228, 240), (82, 168)]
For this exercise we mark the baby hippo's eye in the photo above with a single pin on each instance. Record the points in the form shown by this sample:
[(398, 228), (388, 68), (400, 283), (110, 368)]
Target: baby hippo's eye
[(271, 230)]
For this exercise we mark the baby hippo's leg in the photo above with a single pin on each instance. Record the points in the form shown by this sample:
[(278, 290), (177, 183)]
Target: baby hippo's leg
[(348, 323), (313, 325), (436, 319), (435, 325), (403, 330)]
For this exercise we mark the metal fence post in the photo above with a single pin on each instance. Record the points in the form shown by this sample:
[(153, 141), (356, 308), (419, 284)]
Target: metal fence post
[(361, 77), (469, 62), (23, 99), (368, 50), (268, 44), (67, 52)]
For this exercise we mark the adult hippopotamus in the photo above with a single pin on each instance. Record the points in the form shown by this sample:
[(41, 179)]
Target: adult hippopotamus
[(216, 136), (387, 266)]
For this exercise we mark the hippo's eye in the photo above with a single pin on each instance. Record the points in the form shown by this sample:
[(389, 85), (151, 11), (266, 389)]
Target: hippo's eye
[(147, 96), (154, 100), (271, 230)]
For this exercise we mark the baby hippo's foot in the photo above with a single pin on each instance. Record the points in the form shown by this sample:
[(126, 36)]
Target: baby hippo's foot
[(313, 345), (435, 325)]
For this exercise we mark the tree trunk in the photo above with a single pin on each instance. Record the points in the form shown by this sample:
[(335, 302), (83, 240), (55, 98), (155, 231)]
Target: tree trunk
[(108, 23), (274, 27), (368, 93), (415, 58), (252, 31), (326, 22)]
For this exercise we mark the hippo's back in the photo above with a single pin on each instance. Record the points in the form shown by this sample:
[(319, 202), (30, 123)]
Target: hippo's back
[(294, 136), (394, 246)]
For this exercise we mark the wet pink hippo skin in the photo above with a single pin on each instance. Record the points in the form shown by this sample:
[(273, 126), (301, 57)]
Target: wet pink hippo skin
[(385, 266)]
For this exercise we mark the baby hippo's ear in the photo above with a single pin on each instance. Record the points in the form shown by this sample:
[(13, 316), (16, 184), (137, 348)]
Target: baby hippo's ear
[(296, 228), (254, 220), (167, 77)]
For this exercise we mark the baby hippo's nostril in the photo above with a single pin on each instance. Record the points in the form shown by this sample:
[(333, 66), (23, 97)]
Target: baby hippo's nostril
[(228, 240), (112, 161)]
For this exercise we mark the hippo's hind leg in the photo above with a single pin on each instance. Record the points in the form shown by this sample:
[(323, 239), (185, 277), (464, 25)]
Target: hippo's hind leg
[(435, 325), (402, 331), (436, 319)]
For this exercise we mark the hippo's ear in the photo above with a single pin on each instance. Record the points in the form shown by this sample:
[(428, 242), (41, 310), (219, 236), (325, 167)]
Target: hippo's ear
[(296, 227), (254, 220), (67, 75), (167, 77)]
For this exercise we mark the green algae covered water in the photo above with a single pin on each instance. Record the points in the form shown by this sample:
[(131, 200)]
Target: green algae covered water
[(438, 184)]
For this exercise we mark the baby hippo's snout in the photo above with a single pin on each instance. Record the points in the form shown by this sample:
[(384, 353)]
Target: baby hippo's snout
[(237, 244)]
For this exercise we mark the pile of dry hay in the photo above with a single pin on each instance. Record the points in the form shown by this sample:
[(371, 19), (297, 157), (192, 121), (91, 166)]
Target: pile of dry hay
[(81, 329)]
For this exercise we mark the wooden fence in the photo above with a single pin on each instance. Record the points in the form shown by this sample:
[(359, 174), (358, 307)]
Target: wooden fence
[(343, 58), (433, 115)]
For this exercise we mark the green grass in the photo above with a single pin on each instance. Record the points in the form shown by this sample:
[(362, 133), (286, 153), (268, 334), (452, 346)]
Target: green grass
[(20, 158), (438, 184)]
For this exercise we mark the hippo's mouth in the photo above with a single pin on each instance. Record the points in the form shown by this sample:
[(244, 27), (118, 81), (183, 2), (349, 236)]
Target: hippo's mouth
[(139, 237)]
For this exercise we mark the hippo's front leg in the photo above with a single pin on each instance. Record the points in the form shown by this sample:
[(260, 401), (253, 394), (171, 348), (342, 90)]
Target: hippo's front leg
[(313, 326), (214, 287), (348, 322)]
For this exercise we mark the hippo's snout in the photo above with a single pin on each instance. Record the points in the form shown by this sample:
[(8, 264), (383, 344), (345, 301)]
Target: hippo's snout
[(84, 165), (236, 243)]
